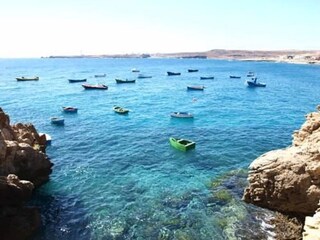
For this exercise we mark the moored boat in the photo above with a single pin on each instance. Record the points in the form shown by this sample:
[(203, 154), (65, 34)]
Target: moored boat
[(253, 83), (70, 109), (57, 121), (182, 144), (100, 75), (27, 78), (232, 76), (125, 81), (250, 74), (143, 76), (173, 73), (95, 86), (77, 80), (181, 115), (199, 88), (206, 78), (135, 70), (193, 70), (120, 110)]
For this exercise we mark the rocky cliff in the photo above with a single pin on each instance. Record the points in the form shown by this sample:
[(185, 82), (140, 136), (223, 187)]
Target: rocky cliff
[(22, 156), (288, 180)]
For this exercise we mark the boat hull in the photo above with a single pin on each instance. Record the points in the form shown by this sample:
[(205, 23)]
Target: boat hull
[(173, 74), (76, 80), (125, 81), (235, 77), (69, 109), (206, 78), (193, 70), (120, 110), (253, 84), (182, 144), (181, 115), (195, 88), (93, 87), (57, 121), (22, 79)]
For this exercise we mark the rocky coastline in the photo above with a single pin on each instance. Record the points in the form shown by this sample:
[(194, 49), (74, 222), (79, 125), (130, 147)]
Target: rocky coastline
[(288, 180), (22, 156)]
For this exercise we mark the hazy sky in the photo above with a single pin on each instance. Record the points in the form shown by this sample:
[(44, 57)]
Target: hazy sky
[(34, 28)]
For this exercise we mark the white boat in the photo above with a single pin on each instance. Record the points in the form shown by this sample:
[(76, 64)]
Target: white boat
[(181, 115)]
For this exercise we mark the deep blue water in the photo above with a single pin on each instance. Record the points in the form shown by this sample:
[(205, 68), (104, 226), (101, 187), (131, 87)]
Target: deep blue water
[(117, 177)]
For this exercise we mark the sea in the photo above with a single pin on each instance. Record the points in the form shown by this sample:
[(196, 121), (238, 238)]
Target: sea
[(117, 177)]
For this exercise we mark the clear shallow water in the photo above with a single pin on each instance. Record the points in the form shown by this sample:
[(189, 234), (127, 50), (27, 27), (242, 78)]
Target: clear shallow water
[(116, 177)]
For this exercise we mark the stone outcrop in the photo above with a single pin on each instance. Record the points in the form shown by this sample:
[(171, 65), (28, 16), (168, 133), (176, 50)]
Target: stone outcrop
[(22, 152), (288, 180), (312, 227), (22, 156)]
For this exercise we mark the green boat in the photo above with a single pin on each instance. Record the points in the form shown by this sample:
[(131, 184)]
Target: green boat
[(182, 144), (120, 110)]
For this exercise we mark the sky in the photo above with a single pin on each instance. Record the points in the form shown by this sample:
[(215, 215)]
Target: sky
[(35, 28)]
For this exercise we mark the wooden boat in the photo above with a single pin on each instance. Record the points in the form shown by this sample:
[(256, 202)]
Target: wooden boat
[(27, 79), (120, 110), (173, 73), (57, 121), (96, 86), (206, 78), (77, 80), (253, 83), (181, 115), (232, 76), (182, 144), (199, 88), (144, 76), (47, 137), (100, 75), (135, 70), (70, 109), (125, 81), (193, 70)]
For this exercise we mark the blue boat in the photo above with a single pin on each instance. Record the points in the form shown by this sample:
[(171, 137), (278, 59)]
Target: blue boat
[(57, 121), (206, 78), (253, 83)]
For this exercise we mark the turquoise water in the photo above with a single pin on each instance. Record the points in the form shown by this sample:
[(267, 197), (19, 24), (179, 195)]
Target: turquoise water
[(116, 177)]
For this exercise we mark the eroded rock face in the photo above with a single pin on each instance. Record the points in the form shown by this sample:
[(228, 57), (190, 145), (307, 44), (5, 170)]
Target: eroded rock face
[(288, 180), (22, 152), (22, 156), (312, 227)]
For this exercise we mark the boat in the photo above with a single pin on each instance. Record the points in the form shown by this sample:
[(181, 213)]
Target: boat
[(206, 78), (77, 80), (57, 121), (47, 137), (173, 73), (250, 74), (95, 86), (120, 110), (199, 88), (144, 76), (27, 78), (70, 109), (193, 70), (100, 75), (135, 70), (182, 144), (253, 83), (125, 81), (181, 115), (232, 76)]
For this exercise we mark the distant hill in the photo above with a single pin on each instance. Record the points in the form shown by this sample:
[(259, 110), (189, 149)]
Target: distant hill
[(291, 56)]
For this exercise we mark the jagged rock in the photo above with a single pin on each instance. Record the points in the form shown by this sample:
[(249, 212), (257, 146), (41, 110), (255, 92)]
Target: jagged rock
[(312, 227), (22, 152), (288, 180)]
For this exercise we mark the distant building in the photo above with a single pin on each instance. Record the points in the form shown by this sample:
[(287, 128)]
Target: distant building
[(290, 57)]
